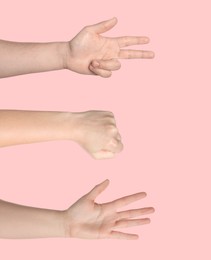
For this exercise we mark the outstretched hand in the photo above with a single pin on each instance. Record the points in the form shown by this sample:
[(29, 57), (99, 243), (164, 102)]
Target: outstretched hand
[(89, 220), (90, 53)]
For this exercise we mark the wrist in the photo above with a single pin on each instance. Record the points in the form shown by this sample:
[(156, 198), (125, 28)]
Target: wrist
[(66, 224), (61, 223), (63, 54), (71, 126), (55, 225)]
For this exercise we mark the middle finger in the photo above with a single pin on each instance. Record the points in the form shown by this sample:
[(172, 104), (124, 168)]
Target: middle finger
[(133, 213), (136, 54)]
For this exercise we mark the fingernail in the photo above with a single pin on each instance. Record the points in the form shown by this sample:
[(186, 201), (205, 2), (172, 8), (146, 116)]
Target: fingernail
[(96, 64), (146, 40), (152, 55)]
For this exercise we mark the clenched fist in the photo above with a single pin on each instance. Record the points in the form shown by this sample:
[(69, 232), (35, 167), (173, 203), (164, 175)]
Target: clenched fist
[(97, 133)]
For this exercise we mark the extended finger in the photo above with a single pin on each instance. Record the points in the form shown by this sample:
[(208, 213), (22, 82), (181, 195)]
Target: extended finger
[(100, 72), (136, 54), (131, 222), (133, 213), (111, 65), (120, 235), (131, 40), (127, 200), (104, 26), (97, 190)]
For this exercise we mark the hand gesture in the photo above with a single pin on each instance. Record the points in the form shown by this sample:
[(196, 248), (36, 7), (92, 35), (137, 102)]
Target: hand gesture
[(91, 53), (89, 220), (96, 132)]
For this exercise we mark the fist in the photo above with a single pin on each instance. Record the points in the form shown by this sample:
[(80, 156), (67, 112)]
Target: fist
[(97, 133)]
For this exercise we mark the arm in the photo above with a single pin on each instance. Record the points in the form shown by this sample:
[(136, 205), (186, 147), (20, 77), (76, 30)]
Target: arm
[(95, 131), (87, 53), (85, 219), (18, 221), (22, 58)]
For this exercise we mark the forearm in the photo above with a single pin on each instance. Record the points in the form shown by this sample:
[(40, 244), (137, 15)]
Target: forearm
[(19, 222), (22, 58), (22, 127)]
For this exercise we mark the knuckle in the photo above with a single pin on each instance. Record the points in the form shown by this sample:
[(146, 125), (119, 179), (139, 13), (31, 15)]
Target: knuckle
[(119, 65), (92, 68), (114, 142), (110, 113), (109, 121), (86, 28), (109, 116), (112, 128), (100, 66)]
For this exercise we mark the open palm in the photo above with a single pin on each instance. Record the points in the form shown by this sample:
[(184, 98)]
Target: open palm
[(89, 52), (89, 220)]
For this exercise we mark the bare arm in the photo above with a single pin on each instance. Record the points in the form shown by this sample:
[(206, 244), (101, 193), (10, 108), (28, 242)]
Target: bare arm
[(21, 127), (17, 221), (22, 58), (85, 219), (95, 131)]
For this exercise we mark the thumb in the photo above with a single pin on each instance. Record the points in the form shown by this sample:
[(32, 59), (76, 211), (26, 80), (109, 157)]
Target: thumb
[(97, 190), (103, 154), (104, 26)]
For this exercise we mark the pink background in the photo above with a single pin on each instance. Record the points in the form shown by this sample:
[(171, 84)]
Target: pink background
[(162, 107)]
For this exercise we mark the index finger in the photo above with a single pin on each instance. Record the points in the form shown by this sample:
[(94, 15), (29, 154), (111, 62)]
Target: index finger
[(132, 40), (127, 200)]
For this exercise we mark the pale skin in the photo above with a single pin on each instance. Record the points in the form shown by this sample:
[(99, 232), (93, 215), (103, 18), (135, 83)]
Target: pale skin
[(87, 53), (95, 131), (85, 219)]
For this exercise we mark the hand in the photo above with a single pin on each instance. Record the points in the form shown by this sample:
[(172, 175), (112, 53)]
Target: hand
[(91, 53), (89, 220), (97, 133)]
